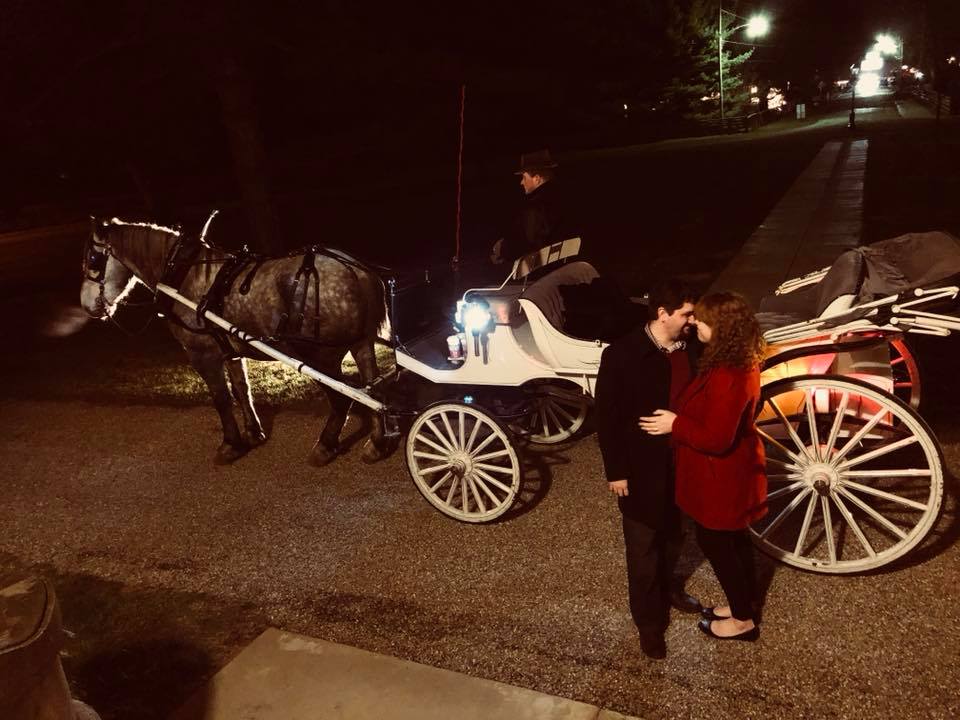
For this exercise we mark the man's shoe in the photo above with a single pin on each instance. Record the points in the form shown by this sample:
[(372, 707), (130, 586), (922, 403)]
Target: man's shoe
[(653, 646), (685, 602)]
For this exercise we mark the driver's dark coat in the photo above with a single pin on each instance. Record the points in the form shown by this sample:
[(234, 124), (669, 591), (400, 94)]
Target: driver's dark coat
[(633, 381)]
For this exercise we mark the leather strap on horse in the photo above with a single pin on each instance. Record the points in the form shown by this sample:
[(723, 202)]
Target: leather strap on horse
[(298, 300), (178, 264), (212, 300)]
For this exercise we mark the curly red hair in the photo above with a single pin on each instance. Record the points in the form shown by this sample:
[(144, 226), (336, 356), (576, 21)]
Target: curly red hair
[(737, 340)]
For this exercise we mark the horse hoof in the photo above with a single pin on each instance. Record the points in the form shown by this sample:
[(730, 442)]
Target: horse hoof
[(321, 455), (255, 438), (371, 453), (228, 453)]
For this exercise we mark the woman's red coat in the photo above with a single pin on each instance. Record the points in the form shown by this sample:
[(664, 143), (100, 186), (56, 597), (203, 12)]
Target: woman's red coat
[(721, 477)]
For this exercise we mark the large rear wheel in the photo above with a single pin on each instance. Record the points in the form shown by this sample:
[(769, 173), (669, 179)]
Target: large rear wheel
[(855, 475), (557, 413)]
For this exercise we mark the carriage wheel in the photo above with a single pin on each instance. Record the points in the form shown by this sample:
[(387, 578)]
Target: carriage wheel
[(558, 412), (855, 476), (463, 462), (906, 373)]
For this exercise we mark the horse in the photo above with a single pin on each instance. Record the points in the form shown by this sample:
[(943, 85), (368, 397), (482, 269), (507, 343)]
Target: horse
[(342, 300)]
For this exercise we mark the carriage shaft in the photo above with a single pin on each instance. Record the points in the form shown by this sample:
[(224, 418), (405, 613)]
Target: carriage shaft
[(301, 367)]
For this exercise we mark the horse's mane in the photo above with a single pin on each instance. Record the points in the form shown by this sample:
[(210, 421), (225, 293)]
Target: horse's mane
[(138, 241)]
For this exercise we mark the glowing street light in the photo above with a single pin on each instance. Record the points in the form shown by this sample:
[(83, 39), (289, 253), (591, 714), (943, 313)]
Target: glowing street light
[(757, 25), (891, 46)]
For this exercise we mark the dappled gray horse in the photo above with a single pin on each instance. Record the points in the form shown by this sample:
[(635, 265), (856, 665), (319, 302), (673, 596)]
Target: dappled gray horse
[(314, 305)]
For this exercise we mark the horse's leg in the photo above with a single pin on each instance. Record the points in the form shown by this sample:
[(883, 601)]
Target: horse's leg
[(328, 444), (239, 384), (377, 446), (209, 364)]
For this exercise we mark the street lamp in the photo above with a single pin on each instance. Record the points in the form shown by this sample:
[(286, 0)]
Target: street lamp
[(892, 46), (757, 26)]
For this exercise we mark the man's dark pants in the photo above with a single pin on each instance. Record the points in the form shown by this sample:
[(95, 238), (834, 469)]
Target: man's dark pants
[(652, 555)]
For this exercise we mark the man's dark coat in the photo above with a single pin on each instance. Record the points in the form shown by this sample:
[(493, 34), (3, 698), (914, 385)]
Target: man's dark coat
[(633, 381), (537, 224)]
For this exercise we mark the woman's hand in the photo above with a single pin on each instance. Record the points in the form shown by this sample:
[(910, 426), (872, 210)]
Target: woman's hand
[(660, 423)]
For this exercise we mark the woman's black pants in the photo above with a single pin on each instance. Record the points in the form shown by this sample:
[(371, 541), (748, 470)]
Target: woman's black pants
[(730, 553)]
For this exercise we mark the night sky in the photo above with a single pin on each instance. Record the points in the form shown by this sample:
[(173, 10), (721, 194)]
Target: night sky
[(149, 99)]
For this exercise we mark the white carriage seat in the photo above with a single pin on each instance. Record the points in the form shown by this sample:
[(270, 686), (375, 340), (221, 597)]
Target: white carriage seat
[(835, 293), (545, 292), (543, 306)]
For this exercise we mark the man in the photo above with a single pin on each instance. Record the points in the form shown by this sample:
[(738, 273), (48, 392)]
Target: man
[(538, 223), (645, 370)]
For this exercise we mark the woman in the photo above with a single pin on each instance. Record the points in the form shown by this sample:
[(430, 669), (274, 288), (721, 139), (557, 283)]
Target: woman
[(720, 477)]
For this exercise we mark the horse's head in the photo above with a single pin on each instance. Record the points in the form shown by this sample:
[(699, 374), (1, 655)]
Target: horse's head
[(106, 281)]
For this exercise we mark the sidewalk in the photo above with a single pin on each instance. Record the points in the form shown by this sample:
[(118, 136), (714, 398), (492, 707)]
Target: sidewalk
[(284, 676), (819, 217)]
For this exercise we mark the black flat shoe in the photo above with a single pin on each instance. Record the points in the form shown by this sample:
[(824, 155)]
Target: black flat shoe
[(709, 614), (750, 635), (685, 602)]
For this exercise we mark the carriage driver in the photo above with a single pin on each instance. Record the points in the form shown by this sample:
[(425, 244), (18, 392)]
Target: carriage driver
[(646, 369), (538, 222)]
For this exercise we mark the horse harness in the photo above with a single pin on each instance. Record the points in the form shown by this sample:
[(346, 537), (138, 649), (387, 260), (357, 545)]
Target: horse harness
[(293, 322)]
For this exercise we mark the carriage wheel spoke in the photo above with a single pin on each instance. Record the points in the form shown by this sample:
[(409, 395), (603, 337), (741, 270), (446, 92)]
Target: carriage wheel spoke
[(473, 436), (841, 411), (492, 480), (544, 425), (785, 512), (911, 472), (872, 513), (441, 481), (885, 495), (783, 477), (483, 443), (854, 526), (433, 468), (464, 496), (812, 423), (781, 447), (440, 436), (784, 465), (450, 492), (491, 455), (805, 528), (560, 409), (430, 456), (788, 426), (828, 529), (553, 416), (436, 446), (451, 435), (476, 494), (460, 424), (860, 434), (785, 490), (483, 486), (880, 451), (494, 468)]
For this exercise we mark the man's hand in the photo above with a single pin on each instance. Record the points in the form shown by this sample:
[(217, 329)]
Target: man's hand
[(619, 488)]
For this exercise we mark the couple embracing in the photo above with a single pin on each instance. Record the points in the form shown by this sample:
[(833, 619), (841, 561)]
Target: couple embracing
[(676, 400)]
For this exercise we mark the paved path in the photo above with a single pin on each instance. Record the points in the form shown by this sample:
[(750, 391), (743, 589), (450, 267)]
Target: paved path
[(284, 676), (817, 219)]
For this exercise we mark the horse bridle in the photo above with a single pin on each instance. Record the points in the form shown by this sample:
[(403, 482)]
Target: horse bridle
[(96, 253)]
